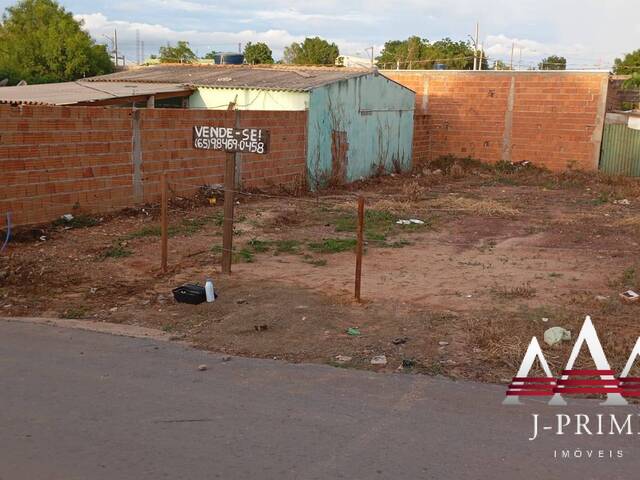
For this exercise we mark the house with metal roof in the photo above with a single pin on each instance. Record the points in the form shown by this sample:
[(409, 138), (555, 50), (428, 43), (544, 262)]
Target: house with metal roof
[(82, 93), (359, 121)]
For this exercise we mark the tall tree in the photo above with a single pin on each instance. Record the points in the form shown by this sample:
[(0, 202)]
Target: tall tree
[(211, 55), (181, 53), (420, 53), (255, 53), (313, 51), (627, 65), (553, 62), (40, 42)]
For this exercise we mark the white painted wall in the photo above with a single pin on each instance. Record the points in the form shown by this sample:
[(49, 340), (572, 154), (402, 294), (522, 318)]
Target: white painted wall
[(248, 99)]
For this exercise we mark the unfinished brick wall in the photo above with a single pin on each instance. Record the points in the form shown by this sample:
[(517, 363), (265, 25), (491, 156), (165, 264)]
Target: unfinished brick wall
[(553, 119), (53, 158)]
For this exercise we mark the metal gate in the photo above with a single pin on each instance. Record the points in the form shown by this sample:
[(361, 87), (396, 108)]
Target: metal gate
[(620, 153)]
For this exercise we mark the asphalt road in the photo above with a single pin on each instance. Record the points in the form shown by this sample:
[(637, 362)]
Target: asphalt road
[(85, 405)]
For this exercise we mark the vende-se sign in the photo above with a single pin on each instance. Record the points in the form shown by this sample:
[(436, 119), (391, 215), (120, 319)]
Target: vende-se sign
[(246, 140)]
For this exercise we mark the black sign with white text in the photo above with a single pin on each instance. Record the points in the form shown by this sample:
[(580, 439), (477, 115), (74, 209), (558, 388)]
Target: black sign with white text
[(245, 140)]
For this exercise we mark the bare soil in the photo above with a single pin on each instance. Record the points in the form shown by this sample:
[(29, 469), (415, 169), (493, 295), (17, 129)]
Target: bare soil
[(502, 256)]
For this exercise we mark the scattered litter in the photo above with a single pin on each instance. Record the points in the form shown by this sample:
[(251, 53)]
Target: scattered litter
[(202, 367), (210, 291), (408, 363), (555, 335), (629, 296), (624, 201), (410, 221), (343, 358), (261, 328), (304, 318), (602, 298), (379, 360), (226, 358), (67, 217), (469, 296), (189, 293), (353, 331), (43, 238), (93, 290), (113, 309), (399, 340), (443, 343), (545, 319)]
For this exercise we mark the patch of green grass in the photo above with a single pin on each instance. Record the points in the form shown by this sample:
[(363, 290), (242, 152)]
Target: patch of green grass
[(78, 221), (258, 246), (333, 245), (316, 262), (146, 231), (240, 256), (74, 312), (117, 250), (377, 224), (287, 246)]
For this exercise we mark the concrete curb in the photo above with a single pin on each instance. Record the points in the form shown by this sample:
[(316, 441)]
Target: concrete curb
[(101, 327)]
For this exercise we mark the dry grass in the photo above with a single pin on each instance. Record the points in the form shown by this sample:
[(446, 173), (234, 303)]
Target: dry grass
[(491, 208), (632, 221), (412, 190)]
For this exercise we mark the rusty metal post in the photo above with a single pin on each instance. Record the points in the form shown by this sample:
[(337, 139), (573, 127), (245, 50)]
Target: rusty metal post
[(359, 247), (164, 222), (227, 232)]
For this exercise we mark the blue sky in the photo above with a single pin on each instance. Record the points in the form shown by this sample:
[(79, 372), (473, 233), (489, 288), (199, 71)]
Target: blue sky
[(589, 33)]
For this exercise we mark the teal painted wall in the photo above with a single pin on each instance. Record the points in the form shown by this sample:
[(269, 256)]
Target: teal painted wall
[(376, 116)]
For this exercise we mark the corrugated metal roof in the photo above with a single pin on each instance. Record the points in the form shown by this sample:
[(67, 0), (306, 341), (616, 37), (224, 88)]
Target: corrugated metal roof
[(242, 76), (70, 93)]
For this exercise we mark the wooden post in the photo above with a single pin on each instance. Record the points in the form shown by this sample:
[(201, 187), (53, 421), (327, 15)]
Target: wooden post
[(164, 225), (359, 246), (227, 232)]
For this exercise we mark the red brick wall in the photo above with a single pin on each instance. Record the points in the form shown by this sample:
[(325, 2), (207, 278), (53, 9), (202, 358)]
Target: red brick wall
[(52, 158), (553, 119)]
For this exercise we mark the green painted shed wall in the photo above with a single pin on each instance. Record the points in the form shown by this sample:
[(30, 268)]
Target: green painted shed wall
[(371, 117), (620, 154)]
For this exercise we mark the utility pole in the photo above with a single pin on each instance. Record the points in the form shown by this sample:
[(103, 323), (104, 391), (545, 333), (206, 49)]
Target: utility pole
[(520, 59), (513, 45), (115, 42), (481, 55), (239, 47), (370, 48), (475, 44)]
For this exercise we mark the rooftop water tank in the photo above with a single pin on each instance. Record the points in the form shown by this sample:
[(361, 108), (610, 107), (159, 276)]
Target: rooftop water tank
[(228, 58)]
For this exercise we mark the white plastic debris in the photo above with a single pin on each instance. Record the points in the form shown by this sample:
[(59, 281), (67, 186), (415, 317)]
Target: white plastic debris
[(555, 335), (624, 201), (379, 360), (409, 221), (67, 217), (629, 296), (545, 319), (343, 358)]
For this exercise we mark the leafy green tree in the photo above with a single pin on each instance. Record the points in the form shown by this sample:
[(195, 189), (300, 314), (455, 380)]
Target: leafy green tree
[(553, 62), (211, 55), (500, 65), (627, 65), (419, 53), (181, 53), (255, 53), (40, 42), (313, 51)]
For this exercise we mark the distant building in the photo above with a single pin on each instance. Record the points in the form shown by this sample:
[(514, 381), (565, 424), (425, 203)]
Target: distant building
[(351, 61)]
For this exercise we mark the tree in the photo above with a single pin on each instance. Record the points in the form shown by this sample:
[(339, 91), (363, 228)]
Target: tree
[(40, 42), (181, 53), (211, 55), (500, 65), (255, 53), (553, 62), (416, 52), (627, 65), (313, 51)]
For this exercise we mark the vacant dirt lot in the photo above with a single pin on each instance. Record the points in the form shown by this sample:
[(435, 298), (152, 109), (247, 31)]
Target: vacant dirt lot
[(503, 254)]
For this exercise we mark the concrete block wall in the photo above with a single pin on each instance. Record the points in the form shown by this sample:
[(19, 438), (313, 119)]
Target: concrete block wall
[(102, 159), (552, 119)]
